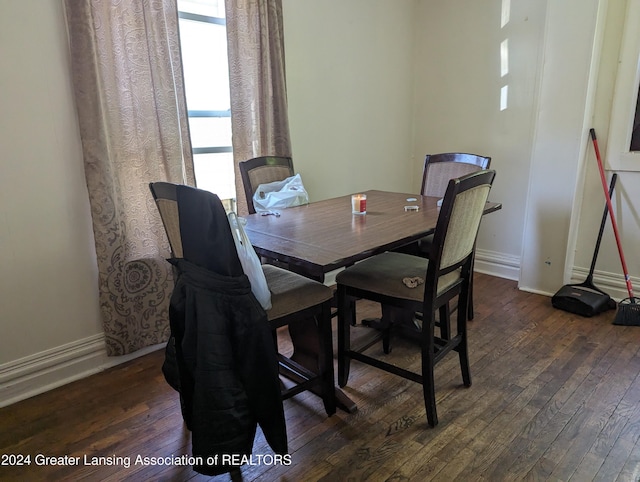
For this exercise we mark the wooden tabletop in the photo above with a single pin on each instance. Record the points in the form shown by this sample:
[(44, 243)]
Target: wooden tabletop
[(322, 236)]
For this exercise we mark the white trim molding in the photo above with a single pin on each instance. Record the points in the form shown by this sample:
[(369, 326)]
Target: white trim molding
[(49, 369), (611, 283), (497, 264)]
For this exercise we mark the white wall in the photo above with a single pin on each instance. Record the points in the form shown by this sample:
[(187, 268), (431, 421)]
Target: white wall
[(562, 123), (458, 109), (48, 283), (49, 312), (349, 80)]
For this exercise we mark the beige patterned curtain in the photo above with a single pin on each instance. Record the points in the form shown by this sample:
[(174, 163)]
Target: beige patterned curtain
[(259, 117), (126, 69)]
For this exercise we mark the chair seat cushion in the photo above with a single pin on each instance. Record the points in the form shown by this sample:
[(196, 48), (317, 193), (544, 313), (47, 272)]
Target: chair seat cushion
[(384, 273), (291, 292)]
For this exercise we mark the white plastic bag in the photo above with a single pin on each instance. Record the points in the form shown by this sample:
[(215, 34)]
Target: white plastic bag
[(250, 262), (280, 194)]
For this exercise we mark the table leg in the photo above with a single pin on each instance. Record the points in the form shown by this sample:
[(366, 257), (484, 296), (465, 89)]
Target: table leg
[(306, 349)]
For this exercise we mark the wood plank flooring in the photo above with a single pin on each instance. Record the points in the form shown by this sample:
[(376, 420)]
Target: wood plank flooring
[(554, 397)]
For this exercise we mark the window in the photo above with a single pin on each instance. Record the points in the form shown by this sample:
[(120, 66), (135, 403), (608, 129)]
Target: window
[(203, 40)]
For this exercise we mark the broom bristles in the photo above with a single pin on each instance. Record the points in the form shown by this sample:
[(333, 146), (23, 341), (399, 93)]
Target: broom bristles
[(628, 313)]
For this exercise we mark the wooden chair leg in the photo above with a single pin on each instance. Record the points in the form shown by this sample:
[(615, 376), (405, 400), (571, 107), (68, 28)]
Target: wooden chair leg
[(430, 403), (429, 391), (470, 303), (326, 359), (470, 300), (445, 322), (385, 326), (464, 363), (236, 474), (462, 348), (345, 309), (428, 365)]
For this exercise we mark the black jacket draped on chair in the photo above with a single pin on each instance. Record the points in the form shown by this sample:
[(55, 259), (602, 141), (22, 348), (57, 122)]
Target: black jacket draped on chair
[(222, 357)]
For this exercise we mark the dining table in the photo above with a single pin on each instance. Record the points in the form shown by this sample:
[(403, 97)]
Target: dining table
[(323, 236)]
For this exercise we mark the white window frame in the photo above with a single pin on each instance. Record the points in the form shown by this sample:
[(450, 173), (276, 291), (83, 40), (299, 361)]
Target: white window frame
[(213, 149)]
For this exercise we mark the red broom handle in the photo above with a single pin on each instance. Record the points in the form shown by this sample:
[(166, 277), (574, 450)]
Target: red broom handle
[(603, 179)]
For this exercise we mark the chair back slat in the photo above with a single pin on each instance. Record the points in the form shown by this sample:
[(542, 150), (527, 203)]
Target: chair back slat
[(440, 168), (463, 225), (171, 219), (459, 220), (166, 197), (262, 170), (267, 174)]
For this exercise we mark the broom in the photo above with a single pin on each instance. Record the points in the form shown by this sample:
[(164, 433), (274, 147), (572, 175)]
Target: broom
[(628, 313)]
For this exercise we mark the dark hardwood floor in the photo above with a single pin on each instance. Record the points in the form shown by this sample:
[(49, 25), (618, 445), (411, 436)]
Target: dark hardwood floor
[(555, 397)]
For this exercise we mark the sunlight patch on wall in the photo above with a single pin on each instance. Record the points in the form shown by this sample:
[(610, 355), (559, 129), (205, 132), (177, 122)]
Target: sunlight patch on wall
[(506, 12), (504, 96), (504, 57), (504, 54)]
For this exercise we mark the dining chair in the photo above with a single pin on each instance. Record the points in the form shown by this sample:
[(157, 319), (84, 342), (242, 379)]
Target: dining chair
[(393, 279), (438, 170), (262, 170), (294, 298)]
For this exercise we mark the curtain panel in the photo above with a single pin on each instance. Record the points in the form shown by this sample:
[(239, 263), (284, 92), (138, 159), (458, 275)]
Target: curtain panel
[(127, 76), (259, 116)]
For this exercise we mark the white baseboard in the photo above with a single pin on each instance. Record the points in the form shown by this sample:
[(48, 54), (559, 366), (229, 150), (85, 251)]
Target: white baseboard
[(611, 283), (497, 264), (23, 378)]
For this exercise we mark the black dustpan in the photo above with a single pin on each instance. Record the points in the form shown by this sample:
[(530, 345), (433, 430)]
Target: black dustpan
[(585, 298)]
